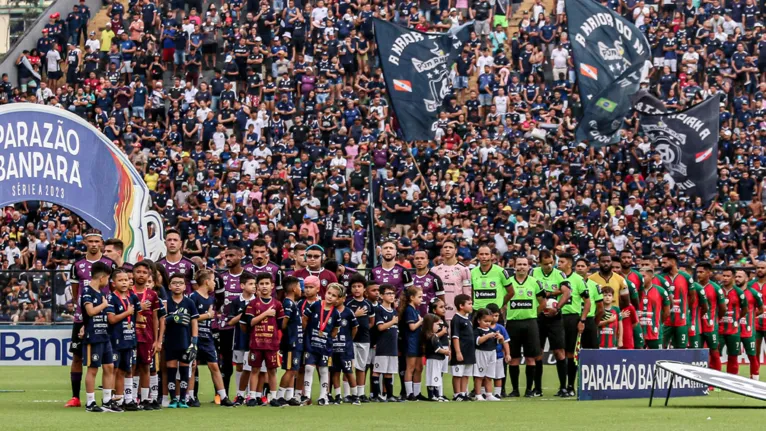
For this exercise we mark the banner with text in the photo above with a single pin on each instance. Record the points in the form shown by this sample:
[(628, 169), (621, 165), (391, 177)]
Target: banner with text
[(32, 346), (622, 374)]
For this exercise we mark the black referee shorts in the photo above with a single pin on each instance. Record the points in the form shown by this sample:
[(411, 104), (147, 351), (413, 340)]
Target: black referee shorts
[(589, 338), (570, 332), (552, 329), (524, 334)]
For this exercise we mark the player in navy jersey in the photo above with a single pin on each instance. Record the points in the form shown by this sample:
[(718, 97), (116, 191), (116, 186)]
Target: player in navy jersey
[(314, 257), (390, 272), (412, 346), (181, 332), (241, 334), (114, 249), (310, 296), (206, 354), (291, 344), (342, 273), (97, 346), (429, 283), (386, 360), (231, 290), (79, 278), (261, 264), (365, 314), (321, 322), (343, 352), (124, 307), (175, 263)]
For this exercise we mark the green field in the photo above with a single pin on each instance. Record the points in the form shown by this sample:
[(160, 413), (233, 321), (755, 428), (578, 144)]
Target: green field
[(47, 388)]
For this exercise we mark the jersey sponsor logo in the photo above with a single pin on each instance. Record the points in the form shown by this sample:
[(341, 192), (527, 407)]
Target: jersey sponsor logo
[(485, 294), (521, 304)]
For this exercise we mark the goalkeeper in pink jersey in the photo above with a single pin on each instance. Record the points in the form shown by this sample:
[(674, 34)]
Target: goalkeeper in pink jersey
[(455, 276)]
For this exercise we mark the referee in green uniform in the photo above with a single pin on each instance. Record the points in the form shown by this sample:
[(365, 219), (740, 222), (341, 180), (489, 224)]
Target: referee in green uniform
[(550, 323), (525, 300), (589, 339), (489, 281), (575, 315)]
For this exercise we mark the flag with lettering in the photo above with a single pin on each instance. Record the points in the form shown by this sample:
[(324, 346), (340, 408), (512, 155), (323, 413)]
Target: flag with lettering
[(416, 68), (687, 142), (610, 57)]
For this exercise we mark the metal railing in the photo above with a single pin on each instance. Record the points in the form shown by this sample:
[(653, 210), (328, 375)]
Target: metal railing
[(35, 297)]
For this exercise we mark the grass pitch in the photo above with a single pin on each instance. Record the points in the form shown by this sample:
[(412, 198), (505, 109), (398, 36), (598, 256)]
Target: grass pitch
[(47, 389)]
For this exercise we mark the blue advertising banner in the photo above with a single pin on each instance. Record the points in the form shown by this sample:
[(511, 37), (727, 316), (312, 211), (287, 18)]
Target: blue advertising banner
[(35, 345), (49, 154), (623, 374)]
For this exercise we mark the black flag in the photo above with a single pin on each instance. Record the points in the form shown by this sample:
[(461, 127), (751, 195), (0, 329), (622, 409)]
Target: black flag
[(687, 141), (645, 102), (610, 54), (416, 67)]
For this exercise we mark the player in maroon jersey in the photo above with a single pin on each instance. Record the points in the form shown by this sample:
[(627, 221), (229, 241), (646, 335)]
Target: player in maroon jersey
[(314, 257), (114, 249), (150, 328), (428, 282), (729, 323), (759, 285), (176, 263), (747, 321), (262, 264)]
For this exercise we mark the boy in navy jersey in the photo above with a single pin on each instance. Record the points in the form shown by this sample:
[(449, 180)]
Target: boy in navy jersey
[(343, 349), (387, 348), (365, 315), (241, 334), (97, 347), (310, 292), (124, 305), (205, 305), (263, 316), (320, 326), (463, 355), (291, 344), (180, 339)]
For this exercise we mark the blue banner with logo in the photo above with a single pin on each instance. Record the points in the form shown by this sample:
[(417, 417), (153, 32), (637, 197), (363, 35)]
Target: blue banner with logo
[(35, 345), (623, 374)]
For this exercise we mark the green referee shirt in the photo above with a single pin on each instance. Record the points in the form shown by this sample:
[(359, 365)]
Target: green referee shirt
[(489, 287), (551, 281), (526, 298), (579, 292), (594, 291)]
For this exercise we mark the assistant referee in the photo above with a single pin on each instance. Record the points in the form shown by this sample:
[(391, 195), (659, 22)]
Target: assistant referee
[(525, 300), (575, 316)]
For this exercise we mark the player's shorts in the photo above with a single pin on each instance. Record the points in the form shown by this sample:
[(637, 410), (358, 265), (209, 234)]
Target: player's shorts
[(760, 334), (485, 364), (748, 343), (361, 355), (695, 341), (123, 359), (240, 357), (434, 372), (731, 342), (461, 370), (524, 334), (590, 338), (206, 353), (553, 330), (310, 358), (386, 365), (499, 372), (174, 355), (144, 353), (677, 336), (75, 347), (569, 323), (654, 344), (342, 364), (291, 360), (97, 354), (414, 347), (371, 358), (268, 357)]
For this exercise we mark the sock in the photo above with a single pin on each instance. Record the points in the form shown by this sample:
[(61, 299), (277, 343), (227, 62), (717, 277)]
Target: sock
[(571, 373), (715, 359), (503, 381), (171, 382), (375, 386), (128, 389), (360, 391), (324, 381), (561, 370), (416, 389), (258, 394), (347, 389), (289, 393), (154, 384), (754, 365), (408, 388), (280, 392), (76, 379), (529, 372), (431, 392), (160, 384), (388, 382), (238, 377), (120, 401), (196, 382), (336, 391), (253, 395), (221, 393), (496, 390), (145, 394), (91, 398), (440, 388), (538, 378), (166, 399), (514, 371), (106, 395), (308, 380), (732, 366), (136, 381), (402, 367)]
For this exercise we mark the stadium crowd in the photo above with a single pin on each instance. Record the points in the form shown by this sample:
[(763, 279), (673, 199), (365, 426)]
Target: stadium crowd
[(265, 125)]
